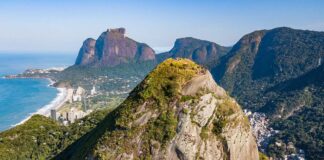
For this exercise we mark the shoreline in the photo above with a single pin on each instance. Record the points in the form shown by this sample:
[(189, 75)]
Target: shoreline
[(56, 103)]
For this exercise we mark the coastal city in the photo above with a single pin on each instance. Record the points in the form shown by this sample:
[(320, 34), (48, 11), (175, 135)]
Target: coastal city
[(79, 99), (68, 114)]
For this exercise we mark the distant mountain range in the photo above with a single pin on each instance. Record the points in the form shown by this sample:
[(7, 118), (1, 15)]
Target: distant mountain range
[(278, 72), (113, 48)]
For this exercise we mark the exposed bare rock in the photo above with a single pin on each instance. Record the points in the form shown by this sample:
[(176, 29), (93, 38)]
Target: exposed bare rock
[(112, 48), (204, 81), (86, 53)]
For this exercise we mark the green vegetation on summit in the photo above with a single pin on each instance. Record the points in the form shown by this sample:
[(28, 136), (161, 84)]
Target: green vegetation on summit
[(153, 122)]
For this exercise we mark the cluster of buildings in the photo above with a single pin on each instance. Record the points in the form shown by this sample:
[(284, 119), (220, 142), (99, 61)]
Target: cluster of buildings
[(73, 113), (112, 85), (69, 117), (44, 71), (79, 94), (76, 94), (262, 132), (36, 73), (299, 155), (260, 128)]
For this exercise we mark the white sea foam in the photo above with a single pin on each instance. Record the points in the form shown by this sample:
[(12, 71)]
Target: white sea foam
[(59, 100), (51, 82)]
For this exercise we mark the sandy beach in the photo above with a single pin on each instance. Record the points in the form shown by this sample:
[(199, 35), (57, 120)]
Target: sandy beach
[(60, 99)]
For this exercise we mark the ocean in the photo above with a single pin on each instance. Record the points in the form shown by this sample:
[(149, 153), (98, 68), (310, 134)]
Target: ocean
[(19, 98)]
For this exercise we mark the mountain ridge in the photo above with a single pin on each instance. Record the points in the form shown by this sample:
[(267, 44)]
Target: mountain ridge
[(277, 72), (200, 51)]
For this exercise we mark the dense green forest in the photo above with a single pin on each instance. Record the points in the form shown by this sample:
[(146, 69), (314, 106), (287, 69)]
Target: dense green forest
[(42, 138), (279, 72), (305, 126)]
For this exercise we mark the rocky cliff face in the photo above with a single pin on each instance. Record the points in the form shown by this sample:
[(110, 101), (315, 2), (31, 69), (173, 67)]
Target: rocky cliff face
[(177, 112), (200, 51), (113, 48), (87, 52)]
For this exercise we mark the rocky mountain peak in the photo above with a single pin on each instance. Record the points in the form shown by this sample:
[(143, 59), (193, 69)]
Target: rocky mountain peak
[(200, 51), (176, 112), (113, 48), (121, 31)]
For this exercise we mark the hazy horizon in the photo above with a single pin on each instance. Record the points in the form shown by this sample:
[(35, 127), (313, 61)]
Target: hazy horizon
[(62, 26)]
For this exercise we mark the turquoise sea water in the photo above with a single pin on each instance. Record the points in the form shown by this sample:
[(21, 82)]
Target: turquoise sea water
[(21, 97)]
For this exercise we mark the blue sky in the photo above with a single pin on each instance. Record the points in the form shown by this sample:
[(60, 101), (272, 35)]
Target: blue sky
[(62, 25)]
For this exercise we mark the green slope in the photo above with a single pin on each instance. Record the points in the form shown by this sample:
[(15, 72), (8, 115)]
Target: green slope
[(277, 72), (42, 138), (159, 88)]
